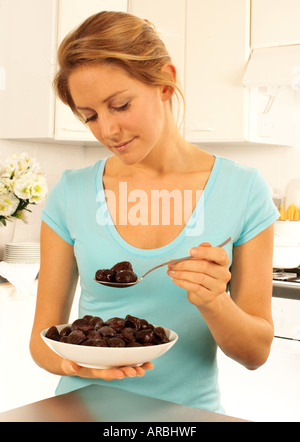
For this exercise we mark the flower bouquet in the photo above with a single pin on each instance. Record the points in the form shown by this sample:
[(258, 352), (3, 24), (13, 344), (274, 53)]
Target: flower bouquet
[(21, 184)]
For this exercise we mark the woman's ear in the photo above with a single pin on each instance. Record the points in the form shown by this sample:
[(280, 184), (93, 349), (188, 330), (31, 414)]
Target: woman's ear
[(168, 91)]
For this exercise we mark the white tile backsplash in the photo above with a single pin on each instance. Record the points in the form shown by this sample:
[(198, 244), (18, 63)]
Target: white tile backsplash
[(277, 164)]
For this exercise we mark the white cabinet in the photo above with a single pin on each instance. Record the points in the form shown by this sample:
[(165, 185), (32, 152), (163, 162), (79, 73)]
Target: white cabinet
[(275, 23), (27, 49), (71, 14), (217, 51), (28, 108), (208, 40), (168, 17)]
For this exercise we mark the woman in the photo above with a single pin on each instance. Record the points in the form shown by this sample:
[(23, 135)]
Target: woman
[(117, 77)]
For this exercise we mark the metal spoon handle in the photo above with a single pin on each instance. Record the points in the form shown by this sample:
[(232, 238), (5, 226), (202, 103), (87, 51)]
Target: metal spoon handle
[(186, 258)]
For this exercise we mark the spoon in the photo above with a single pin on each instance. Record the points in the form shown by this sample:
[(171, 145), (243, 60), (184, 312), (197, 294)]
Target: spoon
[(172, 261)]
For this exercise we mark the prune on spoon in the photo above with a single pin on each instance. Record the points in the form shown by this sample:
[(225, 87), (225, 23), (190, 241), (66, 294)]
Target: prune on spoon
[(105, 275), (124, 265), (122, 272), (125, 276)]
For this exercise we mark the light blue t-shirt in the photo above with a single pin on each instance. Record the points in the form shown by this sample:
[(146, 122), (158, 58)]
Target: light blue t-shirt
[(236, 202)]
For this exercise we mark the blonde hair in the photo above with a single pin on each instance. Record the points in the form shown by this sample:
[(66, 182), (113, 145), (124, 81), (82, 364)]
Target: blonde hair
[(119, 38)]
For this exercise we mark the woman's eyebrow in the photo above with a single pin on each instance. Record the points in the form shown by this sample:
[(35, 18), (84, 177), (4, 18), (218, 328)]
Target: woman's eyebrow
[(104, 101)]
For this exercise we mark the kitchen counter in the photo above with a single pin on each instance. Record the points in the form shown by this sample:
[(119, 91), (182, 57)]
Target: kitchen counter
[(286, 289), (106, 404)]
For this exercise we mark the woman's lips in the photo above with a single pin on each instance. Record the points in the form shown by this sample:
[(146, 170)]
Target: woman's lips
[(123, 145)]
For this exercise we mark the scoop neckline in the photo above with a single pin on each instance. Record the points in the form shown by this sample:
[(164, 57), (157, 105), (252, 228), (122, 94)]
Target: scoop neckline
[(176, 241)]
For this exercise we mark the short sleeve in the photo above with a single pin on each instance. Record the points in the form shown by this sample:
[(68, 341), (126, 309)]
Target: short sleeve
[(55, 213), (260, 211)]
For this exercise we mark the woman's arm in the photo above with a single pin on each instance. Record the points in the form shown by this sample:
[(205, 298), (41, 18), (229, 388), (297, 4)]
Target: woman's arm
[(57, 284), (241, 323)]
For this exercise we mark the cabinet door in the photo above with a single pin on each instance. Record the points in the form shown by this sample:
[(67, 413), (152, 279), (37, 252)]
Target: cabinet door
[(275, 23), (217, 50), (168, 17), (27, 40), (71, 14)]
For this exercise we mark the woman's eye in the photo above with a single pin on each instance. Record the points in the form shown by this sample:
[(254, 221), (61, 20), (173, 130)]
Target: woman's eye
[(122, 108), (92, 118)]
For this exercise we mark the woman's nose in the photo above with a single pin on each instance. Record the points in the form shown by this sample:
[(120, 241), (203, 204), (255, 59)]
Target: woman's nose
[(109, 126)]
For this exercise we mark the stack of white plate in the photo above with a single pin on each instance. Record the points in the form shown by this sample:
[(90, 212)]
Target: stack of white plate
[(22, 252)]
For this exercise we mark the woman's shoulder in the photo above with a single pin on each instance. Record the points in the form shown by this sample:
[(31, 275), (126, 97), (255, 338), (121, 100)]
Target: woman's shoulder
[(237, 171), (86, 171), (75, 177)]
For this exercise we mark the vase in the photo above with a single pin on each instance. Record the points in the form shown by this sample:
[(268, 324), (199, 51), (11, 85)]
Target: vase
[(6, 235)]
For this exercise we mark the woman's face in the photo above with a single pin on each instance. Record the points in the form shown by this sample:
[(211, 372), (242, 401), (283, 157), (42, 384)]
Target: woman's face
[(124, 114)]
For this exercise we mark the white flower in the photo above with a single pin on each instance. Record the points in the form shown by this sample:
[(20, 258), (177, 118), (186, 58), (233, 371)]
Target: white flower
[(3, 188), (32, 187), (21, 184), (8, 204), (22, 215), (8, 184)]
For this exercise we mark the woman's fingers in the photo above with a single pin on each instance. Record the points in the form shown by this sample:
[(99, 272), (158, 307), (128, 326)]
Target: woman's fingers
[(72, 369), (204, 277)]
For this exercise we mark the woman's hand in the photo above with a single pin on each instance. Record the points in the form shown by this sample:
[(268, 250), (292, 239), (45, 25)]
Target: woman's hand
[(72, 369), (205, 277)]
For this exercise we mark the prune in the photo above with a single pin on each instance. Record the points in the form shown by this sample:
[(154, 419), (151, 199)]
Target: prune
[(124, 265), (100, 343), (116, 342), (128, 334), (53, 334), (88, 343), (145, 325), (65, 332), (105, 275), (97, 322), (64, 339), (92, 331), (134, 344), (106, 332), (133, 322), (82, 324), (93, 335), (116, 323), (159, 335), (122, 272), (76, 337), (88, 317), (125, 276), (144, 336)]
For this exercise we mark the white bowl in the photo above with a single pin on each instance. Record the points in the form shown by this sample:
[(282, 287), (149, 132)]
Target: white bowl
[(288, 230), (286, 256), (109, 357)]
